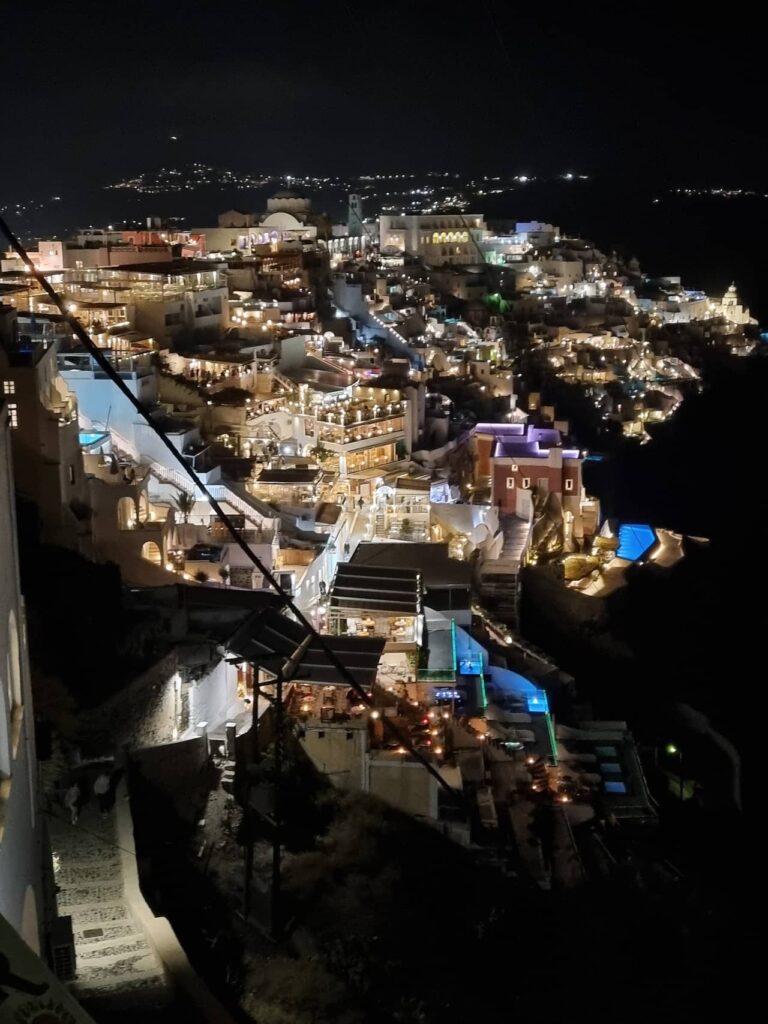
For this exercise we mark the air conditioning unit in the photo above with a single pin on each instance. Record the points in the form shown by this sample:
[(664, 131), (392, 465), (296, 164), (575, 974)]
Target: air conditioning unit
[(62, 946)]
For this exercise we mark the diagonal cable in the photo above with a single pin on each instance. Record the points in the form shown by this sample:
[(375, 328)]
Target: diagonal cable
[(105, 364)]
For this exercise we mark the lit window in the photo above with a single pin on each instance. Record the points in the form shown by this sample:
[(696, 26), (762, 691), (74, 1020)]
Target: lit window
[(526, 482), (510, 483), (9, 387), (13, 415), (569, 485)]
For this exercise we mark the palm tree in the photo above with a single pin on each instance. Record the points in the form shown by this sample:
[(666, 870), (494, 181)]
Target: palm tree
[(184, 503), (320, 452)]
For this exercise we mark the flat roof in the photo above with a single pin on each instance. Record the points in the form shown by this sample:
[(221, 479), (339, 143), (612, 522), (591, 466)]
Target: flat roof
[(269, 638), (409, 483), (289, 476), (169, 268), (376, 588), (438, 569)]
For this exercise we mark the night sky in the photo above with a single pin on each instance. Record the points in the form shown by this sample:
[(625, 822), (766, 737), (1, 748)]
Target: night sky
[(93, 92)]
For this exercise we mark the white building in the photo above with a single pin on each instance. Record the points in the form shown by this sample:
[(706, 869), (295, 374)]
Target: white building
[(285, 224), (21, 831), (436, 238)]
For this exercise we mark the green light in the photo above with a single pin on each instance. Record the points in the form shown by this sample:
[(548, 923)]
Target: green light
[(671, 749), (552, 739)]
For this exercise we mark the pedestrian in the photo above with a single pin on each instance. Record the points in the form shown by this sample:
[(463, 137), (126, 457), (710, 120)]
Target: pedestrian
[(101, 788), (72, 802)]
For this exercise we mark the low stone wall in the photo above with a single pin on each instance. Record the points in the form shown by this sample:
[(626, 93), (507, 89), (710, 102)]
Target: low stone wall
[(143, 713), (158, 929)]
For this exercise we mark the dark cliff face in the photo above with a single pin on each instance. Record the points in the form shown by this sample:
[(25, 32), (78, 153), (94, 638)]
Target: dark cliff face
[(701, 473)]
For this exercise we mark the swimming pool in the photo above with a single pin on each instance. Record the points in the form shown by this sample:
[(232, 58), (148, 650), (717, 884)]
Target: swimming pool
[(634, 540), (88, 439)]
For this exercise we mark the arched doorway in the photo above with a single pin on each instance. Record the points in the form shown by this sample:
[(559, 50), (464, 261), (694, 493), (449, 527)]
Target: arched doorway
[(14, 663), (152, 553), (30, 926), (126, 514)]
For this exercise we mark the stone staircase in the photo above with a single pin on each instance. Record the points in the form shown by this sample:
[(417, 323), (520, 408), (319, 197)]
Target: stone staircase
[(117, 967)]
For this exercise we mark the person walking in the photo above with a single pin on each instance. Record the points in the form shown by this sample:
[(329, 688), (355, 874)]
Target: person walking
[(72, 802), (101, 788)]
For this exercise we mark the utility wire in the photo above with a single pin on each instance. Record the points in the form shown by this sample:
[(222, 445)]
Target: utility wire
[(106, 365)]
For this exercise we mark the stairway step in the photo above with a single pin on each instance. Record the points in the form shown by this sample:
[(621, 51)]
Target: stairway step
[(98, 913), (95, 934)]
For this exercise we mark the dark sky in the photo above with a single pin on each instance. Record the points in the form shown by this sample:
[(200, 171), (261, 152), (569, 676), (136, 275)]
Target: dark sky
[(93, 92)]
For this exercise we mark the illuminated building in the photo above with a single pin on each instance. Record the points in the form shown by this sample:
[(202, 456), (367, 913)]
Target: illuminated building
[(436, 238), (44, 427)]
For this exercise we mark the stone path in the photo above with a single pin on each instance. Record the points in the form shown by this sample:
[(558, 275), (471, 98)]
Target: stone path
[(116, 965)]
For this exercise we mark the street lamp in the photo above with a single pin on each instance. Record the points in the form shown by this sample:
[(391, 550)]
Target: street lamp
[(674, 751)]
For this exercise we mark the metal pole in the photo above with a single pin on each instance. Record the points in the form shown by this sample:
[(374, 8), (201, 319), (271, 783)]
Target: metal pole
[(277, 809), (285, 674), (247, 882)]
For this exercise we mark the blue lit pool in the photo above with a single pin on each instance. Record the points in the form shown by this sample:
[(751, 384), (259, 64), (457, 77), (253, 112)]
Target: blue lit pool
[(89, 439), (634, 540)]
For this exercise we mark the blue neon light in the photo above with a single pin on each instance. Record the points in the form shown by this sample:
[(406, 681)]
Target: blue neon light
[(538, 703)]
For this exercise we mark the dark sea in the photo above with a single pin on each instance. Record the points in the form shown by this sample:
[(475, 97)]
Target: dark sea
[(707, 241)]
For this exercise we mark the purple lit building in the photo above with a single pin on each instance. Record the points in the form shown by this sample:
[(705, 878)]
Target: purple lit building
[(516, 459)]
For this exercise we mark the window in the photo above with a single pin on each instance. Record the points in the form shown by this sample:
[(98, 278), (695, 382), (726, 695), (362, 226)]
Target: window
[(569, 485), (13, 415), (321, 734), (513, 467), (9, 387), (510, 483), (526, 482)]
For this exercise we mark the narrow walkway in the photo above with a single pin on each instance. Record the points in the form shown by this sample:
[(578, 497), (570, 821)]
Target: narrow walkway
[(117, 968), (515, 532), (499, 576)]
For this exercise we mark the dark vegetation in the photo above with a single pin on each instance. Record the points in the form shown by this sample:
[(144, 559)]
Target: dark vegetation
[(392, 922)]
